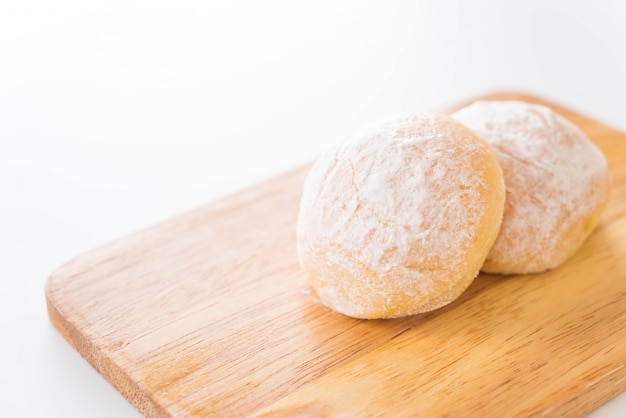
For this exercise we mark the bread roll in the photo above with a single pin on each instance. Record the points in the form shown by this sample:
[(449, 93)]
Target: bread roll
[(398, 219), (557, 183)]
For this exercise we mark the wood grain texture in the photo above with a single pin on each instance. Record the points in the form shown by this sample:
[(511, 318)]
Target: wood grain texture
[(203, 315)]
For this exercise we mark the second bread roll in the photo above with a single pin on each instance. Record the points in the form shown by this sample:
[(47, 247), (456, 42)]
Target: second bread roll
[(557, 183)]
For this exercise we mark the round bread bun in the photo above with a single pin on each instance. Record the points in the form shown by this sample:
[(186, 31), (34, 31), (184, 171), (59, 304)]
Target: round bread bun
[(557, 183), (399, 219)]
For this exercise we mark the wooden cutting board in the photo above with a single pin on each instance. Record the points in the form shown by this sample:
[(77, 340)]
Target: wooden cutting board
[(204, 315)]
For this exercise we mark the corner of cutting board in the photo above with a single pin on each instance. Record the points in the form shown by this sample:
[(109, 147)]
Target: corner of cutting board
[(99, 360)]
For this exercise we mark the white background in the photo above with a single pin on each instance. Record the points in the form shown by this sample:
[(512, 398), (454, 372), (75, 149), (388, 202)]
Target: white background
[(115, 115)]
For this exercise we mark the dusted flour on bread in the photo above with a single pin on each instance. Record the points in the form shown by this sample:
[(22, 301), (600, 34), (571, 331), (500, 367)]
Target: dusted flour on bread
[(398, 219), (557, 183)]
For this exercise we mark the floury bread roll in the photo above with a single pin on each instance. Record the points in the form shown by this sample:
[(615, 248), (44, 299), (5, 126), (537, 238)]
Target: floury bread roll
[(399, 219), (557, 183)]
